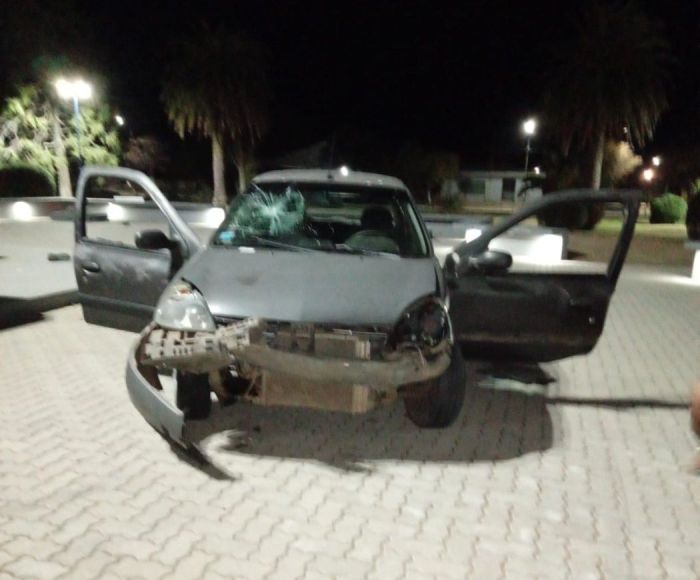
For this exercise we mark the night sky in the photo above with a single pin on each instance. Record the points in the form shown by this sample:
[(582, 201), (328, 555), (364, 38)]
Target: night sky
[(453, 75)]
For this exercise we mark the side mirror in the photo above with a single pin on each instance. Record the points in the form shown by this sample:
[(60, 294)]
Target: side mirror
[(489, 262), (152, 240)]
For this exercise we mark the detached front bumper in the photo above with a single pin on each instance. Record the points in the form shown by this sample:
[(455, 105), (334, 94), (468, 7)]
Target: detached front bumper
[(209, 353), (148, 398)]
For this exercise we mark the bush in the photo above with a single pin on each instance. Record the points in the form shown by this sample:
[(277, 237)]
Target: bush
[(25, 180), (572, 216), (692, 219), (668, 209)]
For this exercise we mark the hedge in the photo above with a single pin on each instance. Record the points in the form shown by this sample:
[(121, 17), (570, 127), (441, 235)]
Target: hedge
[(668, 209), (692, 219)]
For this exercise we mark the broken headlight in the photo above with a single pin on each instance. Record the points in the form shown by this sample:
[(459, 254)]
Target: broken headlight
[(426, 322), (182, 307)]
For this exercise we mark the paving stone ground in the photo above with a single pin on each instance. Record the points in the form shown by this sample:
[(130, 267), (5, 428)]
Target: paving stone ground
[(586, 478)]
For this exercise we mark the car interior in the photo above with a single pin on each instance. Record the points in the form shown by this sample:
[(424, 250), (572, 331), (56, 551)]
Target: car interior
[(377, 231), (366, 221)]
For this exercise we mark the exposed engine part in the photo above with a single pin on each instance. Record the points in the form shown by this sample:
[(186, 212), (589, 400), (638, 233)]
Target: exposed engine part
[(325, 341), (341, 345), (287, 390)]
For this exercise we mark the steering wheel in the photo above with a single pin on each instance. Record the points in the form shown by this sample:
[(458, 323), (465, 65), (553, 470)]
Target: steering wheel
[(308, 229)]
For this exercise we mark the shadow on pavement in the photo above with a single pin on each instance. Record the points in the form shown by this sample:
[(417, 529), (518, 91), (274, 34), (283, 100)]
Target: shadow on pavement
[(194, 457), (619, 403), (495, 425), (501, 420), (16, 312)]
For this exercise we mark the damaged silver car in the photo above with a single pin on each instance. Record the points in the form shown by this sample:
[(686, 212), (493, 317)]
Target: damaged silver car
[(318, 288)]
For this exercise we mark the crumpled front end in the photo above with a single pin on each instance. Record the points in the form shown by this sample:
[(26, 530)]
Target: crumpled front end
[(318, 366)]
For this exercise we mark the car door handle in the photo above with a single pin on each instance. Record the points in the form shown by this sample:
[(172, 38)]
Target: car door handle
[(91, 267)]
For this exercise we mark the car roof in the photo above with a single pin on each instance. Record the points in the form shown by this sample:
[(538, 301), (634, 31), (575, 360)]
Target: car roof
[(330, 176)]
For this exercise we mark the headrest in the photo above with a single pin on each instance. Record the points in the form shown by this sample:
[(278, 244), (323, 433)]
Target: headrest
[(377, 217)]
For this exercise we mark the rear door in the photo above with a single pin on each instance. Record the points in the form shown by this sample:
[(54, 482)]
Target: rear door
[(118, 282), (544, 305)]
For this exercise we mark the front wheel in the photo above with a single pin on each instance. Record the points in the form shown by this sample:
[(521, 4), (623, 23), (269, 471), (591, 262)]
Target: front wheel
[(192, 395), (437, 403)]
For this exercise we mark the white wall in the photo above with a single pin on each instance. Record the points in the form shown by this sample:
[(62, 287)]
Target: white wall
[(494, 189)]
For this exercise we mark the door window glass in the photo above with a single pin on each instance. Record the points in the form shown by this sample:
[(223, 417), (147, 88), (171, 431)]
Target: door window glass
[(116, 209), (571, 238)]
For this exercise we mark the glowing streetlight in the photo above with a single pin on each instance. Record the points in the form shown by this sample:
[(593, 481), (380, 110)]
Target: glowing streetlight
[(344, 171), (529, 128), (119, 120), (656, 160), (537, 169), (75, 90), (648, 174)]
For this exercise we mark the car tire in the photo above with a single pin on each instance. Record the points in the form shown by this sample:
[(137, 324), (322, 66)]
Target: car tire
[(437, 403), (192, 395)]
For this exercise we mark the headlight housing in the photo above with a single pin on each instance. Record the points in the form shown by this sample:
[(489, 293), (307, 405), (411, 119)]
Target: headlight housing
[(425, 323), (183, 308)]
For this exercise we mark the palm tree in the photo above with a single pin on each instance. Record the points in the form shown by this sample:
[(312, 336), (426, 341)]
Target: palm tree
[(217, 87), (607, 80)]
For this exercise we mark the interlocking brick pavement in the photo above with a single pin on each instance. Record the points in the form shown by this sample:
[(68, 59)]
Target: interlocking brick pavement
[(587, 478)]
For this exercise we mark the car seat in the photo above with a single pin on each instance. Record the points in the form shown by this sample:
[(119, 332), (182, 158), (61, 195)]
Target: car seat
[(377, 231)]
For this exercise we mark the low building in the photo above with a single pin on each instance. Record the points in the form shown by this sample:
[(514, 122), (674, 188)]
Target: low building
[(492, 186)]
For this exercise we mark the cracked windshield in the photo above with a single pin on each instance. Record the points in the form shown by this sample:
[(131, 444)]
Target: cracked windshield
[(358, 220)]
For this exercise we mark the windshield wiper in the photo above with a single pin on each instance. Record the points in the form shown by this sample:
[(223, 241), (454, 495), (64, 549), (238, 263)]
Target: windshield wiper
[(350, 250), (268, 243)]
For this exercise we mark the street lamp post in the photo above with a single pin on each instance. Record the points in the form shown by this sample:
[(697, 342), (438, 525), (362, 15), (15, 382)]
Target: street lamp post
[(76, 90), (648, 175), (529, 127)]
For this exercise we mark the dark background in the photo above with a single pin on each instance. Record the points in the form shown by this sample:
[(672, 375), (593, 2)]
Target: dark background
[(458, 76)]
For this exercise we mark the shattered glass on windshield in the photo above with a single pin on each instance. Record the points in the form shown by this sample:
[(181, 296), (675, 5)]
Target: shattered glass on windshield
[(264, 214)]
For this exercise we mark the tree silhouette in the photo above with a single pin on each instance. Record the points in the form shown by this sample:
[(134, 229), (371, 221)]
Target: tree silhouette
[(607, 81), (216, 87)]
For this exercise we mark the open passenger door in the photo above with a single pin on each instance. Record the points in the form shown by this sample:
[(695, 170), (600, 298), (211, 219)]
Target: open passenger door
[(129, 242), (530, 309)]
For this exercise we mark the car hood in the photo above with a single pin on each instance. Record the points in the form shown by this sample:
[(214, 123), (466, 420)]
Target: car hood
[(319, 287)]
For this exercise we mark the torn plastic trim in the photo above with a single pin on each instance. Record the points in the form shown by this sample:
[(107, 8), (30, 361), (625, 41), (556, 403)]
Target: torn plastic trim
[(195, 352)]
